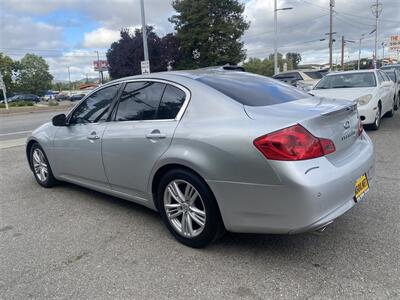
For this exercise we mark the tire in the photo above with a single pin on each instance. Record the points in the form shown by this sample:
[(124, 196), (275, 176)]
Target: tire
[(40, 167), (200, 208), (378, 117), (390, 113)]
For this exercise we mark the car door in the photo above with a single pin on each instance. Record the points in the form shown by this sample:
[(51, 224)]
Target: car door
[(143, 125), (384, 91), (77, 147)]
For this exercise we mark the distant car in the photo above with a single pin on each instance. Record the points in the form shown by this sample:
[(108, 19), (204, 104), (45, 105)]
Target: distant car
[(303, 79), (394, 75), (62, 97), (391, 66), (76, 97), (371, 89), (24, 97)]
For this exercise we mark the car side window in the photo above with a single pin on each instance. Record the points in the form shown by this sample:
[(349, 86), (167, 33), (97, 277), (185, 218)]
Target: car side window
[(385, 76), (139, 101), (380, 77), (95, 107), (171, 103)]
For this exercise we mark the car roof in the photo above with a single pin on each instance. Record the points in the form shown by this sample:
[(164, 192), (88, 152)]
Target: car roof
[(351, 72)]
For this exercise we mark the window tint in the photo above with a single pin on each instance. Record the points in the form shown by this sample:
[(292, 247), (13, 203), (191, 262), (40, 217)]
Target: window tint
[(139, 101), (252, 90), (95, 108), (314, 74), (380, 77), (385, 77), (349, 80), (171, 103), (391, 74)]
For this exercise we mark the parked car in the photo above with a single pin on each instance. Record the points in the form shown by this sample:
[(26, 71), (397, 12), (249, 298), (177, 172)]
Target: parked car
[(24, 97), (212, 150), (303, 79), (391, 66), (394, 75), (373, 91), (62, 97), (76, 97)]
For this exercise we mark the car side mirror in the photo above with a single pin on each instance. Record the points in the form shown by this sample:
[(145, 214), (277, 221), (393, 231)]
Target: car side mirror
[(59, 120)]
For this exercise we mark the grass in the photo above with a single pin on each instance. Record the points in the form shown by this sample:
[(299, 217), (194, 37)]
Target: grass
[(53, 103), (17, 104)]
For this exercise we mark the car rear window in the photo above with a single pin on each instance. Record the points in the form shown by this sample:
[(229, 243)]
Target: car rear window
[(252, 90), (314, 74)]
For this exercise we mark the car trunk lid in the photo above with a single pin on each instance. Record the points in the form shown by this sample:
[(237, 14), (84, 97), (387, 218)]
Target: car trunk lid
[(336, 120)]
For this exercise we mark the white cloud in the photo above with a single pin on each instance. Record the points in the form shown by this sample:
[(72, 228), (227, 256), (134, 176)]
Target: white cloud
[(100, 38)]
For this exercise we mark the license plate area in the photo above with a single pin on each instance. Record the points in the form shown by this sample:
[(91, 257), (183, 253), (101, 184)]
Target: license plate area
[(361, 187)]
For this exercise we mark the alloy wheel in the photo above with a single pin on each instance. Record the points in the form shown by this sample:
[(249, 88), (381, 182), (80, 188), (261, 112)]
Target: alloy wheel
[(184, 208), (40, 165)]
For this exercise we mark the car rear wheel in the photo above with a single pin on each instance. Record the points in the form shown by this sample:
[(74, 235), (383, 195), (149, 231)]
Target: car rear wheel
[(188, 208), (391, 112), (41, 167)]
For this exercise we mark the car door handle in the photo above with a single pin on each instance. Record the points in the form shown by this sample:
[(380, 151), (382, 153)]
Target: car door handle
[(93, 136), (156, 135)]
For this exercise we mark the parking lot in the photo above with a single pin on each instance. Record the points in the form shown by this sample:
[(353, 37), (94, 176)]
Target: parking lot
[(69, 242)]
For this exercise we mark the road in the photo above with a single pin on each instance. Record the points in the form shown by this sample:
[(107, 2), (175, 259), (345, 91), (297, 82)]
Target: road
[(71, 243), (18, 126)]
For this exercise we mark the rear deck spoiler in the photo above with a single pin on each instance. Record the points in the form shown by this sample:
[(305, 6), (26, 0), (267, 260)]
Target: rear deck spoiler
[(340, 108)]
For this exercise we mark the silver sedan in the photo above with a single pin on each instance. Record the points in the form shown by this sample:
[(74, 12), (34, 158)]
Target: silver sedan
[(211, 150)]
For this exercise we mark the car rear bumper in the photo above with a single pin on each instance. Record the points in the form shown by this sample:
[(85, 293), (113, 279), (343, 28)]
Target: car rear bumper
[(308, 198)]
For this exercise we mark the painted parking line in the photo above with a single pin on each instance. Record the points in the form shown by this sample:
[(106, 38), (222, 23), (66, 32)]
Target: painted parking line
[(13, 133)]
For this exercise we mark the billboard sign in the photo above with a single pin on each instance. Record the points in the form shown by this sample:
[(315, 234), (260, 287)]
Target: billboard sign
[(100, 65), (394, 43)]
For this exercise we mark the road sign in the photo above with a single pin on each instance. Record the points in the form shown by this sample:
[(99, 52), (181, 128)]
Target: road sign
[(145, 65), (3, 88), (100, 65), (394, 43)]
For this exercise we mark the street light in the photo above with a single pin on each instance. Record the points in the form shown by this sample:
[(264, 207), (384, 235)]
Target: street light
[(276, 34), (359, 46)]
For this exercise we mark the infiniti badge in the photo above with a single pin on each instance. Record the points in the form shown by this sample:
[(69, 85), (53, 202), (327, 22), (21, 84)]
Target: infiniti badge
[(346, 125)]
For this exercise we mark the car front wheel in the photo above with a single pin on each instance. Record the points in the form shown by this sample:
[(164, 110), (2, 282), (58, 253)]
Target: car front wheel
[(189, 208), (41, 167)]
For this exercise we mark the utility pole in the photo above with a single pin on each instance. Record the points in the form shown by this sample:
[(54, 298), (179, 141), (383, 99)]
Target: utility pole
[(69, 78), (383, 51), (275, 38), (359, 52), (144, 31), (98, 66), (342, 59), (276, 9), (376, 11), (331, 6)]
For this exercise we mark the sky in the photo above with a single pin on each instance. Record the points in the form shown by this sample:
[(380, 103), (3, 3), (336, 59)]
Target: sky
[(68, 32)]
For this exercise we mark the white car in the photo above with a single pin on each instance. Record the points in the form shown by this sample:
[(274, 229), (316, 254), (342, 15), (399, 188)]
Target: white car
[(373, 91)]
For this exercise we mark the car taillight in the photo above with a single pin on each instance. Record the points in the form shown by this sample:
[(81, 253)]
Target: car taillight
[(293, 143)]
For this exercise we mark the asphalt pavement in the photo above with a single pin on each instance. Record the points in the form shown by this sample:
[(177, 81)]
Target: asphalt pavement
[(72, 243)]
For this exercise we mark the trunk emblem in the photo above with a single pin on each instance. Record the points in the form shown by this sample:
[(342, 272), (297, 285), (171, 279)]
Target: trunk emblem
[(346, 125)]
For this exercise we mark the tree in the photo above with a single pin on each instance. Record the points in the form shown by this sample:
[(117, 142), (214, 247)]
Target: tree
[(125, 55), (7, 69), (33, 75), (293, 59), (262, 67), (209, 32)]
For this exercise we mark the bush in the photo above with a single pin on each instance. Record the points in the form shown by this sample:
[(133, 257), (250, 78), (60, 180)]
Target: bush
[(20, 103), (2, 105)]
